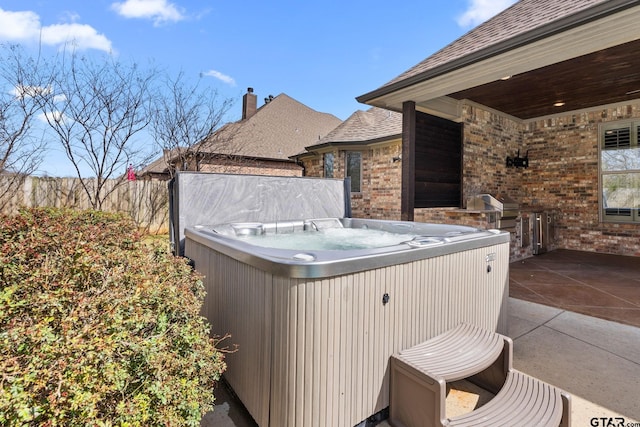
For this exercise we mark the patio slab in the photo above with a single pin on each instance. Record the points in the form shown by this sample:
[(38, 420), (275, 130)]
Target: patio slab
[(597, 361), (599, 285)]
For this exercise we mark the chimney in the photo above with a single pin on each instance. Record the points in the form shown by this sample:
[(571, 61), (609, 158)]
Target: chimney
[(249, 104)]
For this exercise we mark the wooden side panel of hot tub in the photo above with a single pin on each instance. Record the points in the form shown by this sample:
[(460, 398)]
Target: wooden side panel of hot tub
[(315, 352)]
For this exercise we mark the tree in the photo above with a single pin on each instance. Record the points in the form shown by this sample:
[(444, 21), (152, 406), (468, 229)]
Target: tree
[(97, 110), (20, 152), (182, 116)]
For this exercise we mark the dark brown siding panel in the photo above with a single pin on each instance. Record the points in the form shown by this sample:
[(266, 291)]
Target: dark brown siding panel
[(434, 194), (438, 160), (408, 163)]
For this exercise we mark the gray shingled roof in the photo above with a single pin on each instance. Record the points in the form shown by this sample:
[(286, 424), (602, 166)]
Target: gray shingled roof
[(520, 23), (278, 130), (365, 126), (159, 165)]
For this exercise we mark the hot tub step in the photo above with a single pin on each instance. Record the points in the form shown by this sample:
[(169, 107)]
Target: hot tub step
[(419, 374), (458, 353), (419, 377), (523, 401)]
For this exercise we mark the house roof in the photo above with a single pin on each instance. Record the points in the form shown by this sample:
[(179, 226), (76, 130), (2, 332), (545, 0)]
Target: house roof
[(277, 130), (547, 36), (373, 125), (157, 166)]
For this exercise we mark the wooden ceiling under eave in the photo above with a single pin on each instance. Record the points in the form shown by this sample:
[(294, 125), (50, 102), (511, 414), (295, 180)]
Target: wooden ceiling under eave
[(604, 77)]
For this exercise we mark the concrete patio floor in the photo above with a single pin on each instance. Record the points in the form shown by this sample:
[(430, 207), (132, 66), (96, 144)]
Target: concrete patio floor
[(599, 285), (594, 359)]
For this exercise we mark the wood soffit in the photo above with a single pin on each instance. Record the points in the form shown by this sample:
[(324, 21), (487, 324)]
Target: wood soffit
[(604, 77)]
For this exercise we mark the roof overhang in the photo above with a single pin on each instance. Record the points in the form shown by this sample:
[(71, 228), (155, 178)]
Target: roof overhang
[(350, 145), (479, 76)]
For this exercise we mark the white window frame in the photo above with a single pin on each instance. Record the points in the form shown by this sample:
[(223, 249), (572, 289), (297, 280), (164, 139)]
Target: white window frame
[(624, 214)]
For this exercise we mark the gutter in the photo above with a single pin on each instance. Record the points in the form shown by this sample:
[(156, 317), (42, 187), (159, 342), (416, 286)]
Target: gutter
[(577, 19), (347, 144)]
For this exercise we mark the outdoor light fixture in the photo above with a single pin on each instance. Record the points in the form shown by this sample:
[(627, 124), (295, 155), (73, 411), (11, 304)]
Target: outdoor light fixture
[(558, 104), (505, 77), (517, 161)]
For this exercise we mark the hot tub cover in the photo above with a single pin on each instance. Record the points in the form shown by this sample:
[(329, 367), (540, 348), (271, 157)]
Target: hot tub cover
[(211, 198)]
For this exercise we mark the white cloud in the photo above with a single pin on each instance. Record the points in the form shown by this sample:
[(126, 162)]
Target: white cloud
[(82, 36), (30, 91), (51, 116), (481, 10), (160, 11), (25, 27), (18, 26), (222, 77)]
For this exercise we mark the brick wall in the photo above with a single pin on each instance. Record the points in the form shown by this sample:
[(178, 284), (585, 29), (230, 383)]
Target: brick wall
[(313, 166), (252, 167), (453, 216), (562, 177), (385, 183), (488, 139), (381, 179)]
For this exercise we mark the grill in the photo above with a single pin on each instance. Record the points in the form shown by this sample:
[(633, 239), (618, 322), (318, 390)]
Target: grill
[(504, 207)]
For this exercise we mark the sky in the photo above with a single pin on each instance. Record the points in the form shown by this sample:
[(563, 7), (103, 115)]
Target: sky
[(323, 54)]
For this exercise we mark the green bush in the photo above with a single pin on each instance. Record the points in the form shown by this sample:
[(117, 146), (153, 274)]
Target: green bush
[(98, 328)]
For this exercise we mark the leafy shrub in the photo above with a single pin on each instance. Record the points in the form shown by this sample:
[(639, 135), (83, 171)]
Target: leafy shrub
[(98, 328)]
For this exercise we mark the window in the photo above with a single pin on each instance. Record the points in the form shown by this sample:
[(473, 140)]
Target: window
[(328, 165), (354, 169), (620, 172)]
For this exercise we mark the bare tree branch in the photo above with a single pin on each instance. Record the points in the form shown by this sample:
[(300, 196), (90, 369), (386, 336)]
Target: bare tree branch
[(182, 116), (96, 109), (20, 152)]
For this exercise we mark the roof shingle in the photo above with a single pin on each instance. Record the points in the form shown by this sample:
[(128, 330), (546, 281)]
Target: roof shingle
[(364, 126), (278, 130), (519, 19)]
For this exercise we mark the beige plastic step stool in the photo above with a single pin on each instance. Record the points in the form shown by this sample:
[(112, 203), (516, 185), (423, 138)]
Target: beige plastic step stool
[(419, 377)]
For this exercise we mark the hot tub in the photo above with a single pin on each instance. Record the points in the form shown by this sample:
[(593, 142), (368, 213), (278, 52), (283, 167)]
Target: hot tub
[(316, 325), (326, 247)]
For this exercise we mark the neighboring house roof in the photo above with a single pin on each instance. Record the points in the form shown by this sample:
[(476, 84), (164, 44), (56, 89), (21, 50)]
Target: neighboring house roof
[(157, 166), (373, 125), (277, 130), (544, 35)]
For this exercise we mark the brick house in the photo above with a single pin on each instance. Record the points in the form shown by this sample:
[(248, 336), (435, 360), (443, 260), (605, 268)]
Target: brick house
[(261, 143), (366, 147), (540, 103)]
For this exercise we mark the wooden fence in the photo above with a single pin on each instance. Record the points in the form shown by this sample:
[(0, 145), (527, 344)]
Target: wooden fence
[(146, 201)]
